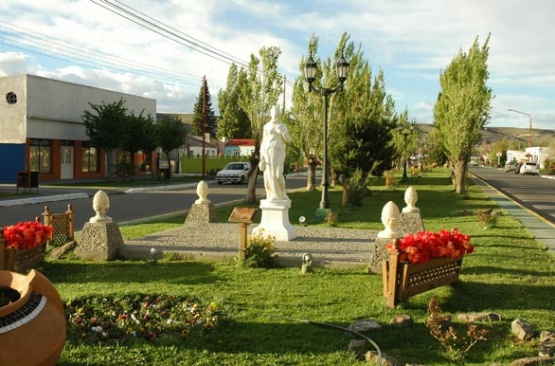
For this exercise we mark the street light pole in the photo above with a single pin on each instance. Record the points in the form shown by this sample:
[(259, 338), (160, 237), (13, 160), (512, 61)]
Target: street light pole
[(405, 133), (530, 126), (310, 70)]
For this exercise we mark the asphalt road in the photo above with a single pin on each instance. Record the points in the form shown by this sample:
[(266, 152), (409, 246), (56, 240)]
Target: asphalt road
[(125, 208), (535, 193)]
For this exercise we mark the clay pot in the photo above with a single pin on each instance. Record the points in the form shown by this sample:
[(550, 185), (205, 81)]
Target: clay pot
[(33, 325)]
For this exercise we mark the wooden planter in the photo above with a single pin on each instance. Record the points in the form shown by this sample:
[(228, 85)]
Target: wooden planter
[(403, 280), (20, 260)]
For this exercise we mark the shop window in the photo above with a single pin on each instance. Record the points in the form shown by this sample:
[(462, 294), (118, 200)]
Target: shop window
[(11, 98), (40, 156), (90, 158)]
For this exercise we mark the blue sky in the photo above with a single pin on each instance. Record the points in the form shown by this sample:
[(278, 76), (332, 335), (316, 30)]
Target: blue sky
[(412, 41)]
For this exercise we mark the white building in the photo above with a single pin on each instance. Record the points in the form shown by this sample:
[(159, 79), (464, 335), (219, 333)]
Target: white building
[(538, 154), (41, 128)]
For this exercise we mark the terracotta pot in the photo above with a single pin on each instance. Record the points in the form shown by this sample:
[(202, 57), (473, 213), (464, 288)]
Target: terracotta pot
[(32, 327)]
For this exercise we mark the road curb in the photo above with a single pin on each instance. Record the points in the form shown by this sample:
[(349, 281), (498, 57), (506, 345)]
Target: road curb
[(32, 200)]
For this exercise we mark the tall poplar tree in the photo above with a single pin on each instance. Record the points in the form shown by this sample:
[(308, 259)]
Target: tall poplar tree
[(306, 129), (261, 91), (463, 105), (233, 121)]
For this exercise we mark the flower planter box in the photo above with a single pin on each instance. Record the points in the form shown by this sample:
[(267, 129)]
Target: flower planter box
[(402, 280), (20, 260)]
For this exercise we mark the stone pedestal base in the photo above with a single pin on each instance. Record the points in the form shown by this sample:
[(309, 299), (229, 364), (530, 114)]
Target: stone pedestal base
[(411, 222), (201, 212), (275, 220), (379, 255), (99, 241)]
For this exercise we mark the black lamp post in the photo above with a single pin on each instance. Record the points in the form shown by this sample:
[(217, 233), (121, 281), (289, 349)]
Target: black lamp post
[(310, 71), (405, 132)]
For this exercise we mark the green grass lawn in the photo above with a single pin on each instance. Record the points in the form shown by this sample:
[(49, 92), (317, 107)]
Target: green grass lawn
[(260, 310)]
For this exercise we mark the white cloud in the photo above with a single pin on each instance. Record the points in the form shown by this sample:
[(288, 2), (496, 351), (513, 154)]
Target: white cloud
[(412, 40)]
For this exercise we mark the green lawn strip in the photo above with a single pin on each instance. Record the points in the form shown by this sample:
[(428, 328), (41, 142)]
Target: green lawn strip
[(261, 309)]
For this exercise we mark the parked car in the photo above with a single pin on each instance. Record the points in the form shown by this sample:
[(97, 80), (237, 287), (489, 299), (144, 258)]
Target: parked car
[(510, 166), (236, 172), (529, 168)]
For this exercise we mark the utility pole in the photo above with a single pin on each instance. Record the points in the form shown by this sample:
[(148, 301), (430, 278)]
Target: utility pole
[(203, 126)]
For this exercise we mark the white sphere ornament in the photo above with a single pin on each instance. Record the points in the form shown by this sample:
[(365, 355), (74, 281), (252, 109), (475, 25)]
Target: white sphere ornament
[(411, 197), (390, 219)]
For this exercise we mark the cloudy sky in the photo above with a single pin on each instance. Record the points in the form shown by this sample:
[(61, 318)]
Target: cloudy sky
[(161, 49)]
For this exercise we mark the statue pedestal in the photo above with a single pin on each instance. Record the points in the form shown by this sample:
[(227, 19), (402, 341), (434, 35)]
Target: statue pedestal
[(99, 241), (379, 255), (275, 220), (411, 222), (201, 212)]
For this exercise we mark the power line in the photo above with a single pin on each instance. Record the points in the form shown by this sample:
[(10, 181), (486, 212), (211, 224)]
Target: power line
[(41, 44), (171, 33), (167, 32)]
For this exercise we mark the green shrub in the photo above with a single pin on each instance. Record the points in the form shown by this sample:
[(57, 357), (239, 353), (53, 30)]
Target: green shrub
[(260, 251), (356, 188)]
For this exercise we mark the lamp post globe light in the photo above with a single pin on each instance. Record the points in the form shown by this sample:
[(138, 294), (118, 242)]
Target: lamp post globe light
[(310, 71), (403, 130)]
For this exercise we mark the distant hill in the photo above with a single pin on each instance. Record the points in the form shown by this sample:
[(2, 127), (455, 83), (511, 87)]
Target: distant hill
[(492, 134)]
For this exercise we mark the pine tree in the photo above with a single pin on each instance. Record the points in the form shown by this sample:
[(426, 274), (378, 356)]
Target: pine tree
[(211, 120)]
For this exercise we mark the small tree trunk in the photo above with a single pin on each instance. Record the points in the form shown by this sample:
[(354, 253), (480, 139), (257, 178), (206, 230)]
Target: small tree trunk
[(110, 157), (459, 176), (311, 179), (346, 195), (169, 164), (251, 188), (253, 174)]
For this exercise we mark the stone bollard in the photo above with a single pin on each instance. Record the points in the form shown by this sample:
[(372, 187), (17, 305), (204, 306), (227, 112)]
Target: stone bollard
[(100, 237)]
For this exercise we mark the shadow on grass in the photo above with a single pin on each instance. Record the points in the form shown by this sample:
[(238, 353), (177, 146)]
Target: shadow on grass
[(493, 270), (130, 272), (243, 342), (480, 296)]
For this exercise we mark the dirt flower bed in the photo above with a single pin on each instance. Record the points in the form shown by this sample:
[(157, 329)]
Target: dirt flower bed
[(146, 316)]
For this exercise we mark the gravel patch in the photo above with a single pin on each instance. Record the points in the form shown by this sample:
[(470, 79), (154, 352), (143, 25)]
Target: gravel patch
[(330, 247)]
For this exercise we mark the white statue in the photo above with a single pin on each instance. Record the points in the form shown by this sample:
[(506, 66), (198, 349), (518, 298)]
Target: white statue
[(411, 197), (272, 156), (202, 192), (390, 220), (101, 205)]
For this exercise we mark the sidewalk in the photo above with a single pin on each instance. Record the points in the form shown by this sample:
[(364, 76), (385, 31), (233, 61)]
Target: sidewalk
[(543, 231), (52, 193)]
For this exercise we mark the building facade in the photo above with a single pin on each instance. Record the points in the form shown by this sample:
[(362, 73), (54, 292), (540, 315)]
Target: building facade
[(239, 147), (41, 128)]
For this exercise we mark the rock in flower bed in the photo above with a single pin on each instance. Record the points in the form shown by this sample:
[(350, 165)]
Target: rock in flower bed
[(120, 318)]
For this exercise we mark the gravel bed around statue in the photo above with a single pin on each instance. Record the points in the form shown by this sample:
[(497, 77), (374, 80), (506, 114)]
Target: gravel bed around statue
[(327, 245)]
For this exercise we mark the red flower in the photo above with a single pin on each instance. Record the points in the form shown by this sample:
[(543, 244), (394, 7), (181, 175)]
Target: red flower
[(26, 235), (425, 245)]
